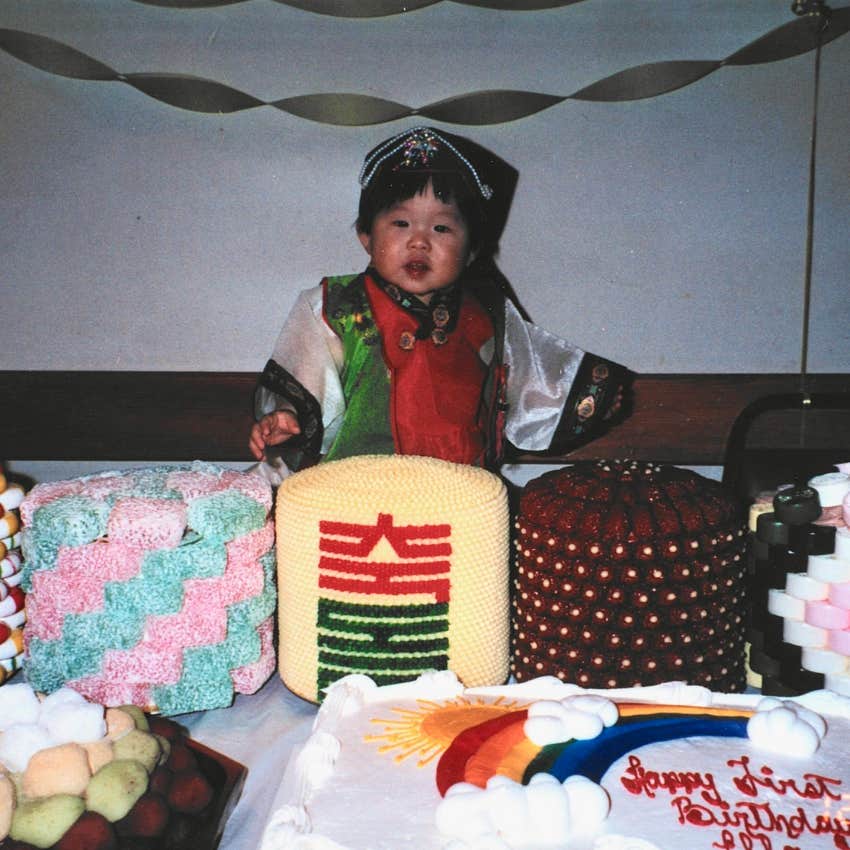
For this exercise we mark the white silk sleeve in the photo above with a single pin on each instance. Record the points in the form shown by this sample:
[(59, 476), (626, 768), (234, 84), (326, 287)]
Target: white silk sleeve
[(541, 369), (312, 353)]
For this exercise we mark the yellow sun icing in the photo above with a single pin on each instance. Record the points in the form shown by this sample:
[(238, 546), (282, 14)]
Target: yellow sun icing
[(429, 730)]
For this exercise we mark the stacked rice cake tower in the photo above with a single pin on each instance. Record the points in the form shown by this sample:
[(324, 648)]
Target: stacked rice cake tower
[(392, 566), (152, 587), (630, 574), (799, 627), (12, 610)]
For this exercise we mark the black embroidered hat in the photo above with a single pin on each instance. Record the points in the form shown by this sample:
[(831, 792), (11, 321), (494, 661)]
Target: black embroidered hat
[(428, 150)]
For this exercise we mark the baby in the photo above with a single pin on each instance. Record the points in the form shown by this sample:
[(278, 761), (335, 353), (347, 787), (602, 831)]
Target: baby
[(425, 352)]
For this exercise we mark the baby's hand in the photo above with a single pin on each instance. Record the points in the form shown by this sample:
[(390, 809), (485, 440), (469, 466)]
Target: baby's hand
[(271, 430)]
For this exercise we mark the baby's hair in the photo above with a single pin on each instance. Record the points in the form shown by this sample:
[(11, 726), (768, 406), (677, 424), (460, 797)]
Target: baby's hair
[(393, 187)]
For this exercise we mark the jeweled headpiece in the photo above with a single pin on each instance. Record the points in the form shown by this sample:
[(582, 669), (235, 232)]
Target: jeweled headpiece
[(422, 148)]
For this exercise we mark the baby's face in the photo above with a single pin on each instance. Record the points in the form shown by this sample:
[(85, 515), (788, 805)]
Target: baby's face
[(420, 244)]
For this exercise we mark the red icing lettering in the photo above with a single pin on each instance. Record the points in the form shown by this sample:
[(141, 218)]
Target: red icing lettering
[(814, 787), (754, 823), (638, 780), (727, 841), (745, 842), (746, 824)]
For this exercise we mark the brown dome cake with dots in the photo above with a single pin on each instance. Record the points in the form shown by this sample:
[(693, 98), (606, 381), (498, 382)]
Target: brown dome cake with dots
[(629, 574)]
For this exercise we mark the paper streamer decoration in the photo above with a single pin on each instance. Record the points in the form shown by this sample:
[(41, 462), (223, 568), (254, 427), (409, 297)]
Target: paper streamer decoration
[(495, 106), (370, 8)]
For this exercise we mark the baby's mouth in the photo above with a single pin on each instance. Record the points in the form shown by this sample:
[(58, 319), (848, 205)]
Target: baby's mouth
[(416, 268)]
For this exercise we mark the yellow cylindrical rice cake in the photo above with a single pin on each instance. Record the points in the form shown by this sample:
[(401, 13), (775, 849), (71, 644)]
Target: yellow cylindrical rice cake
[(392, 565)]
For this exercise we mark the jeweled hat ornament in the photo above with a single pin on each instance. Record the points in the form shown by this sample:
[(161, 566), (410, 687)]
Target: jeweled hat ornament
[(428, 149)]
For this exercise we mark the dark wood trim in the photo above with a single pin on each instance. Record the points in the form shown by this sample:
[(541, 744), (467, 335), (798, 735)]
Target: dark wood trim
[(178, 416), (113, 416), (687, 418)]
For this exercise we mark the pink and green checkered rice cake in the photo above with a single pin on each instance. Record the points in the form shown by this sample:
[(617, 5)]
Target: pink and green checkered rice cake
[(153, 587)]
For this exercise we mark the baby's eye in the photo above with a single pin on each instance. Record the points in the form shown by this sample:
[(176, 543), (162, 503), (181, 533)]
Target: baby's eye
[(399, 222), (442, 228)]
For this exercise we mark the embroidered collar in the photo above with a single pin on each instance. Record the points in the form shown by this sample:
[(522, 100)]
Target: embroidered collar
[(437, 319)]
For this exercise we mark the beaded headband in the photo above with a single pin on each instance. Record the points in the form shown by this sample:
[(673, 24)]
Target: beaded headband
[(417, 147)]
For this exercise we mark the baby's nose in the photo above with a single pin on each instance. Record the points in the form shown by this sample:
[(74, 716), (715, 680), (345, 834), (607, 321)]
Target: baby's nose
[(419, 237)]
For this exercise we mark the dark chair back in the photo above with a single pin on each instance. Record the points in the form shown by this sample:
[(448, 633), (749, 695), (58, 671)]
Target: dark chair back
[(807, 434)]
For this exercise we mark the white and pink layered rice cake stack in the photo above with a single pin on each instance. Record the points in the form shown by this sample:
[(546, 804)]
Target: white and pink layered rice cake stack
[(152, 587), (12, 603)]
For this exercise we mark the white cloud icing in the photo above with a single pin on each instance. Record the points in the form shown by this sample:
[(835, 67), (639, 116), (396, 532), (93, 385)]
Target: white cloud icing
[(579, 717), (505, 814), (786, 727)]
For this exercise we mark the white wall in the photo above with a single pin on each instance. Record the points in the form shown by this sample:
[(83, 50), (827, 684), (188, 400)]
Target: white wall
[(667, 233)]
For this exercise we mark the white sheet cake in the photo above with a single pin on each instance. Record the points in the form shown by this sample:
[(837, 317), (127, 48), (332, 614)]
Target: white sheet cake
[(677, 767)]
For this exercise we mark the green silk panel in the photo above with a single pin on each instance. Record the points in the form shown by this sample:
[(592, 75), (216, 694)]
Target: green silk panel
[(365, 379)]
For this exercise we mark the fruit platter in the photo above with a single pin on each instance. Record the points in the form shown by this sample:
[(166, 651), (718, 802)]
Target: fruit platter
[(78, 776)]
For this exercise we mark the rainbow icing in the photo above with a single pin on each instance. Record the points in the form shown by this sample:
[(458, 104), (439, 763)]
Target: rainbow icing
[(499, 746), (154, 587)]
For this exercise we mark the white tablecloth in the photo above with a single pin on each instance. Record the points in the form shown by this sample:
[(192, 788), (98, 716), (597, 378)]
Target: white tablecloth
[(259, 731)]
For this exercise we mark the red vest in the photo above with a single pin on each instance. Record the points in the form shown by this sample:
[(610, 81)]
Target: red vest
[(435, 390)]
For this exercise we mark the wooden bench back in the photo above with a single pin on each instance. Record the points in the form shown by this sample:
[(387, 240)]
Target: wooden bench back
[(683, 419)]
